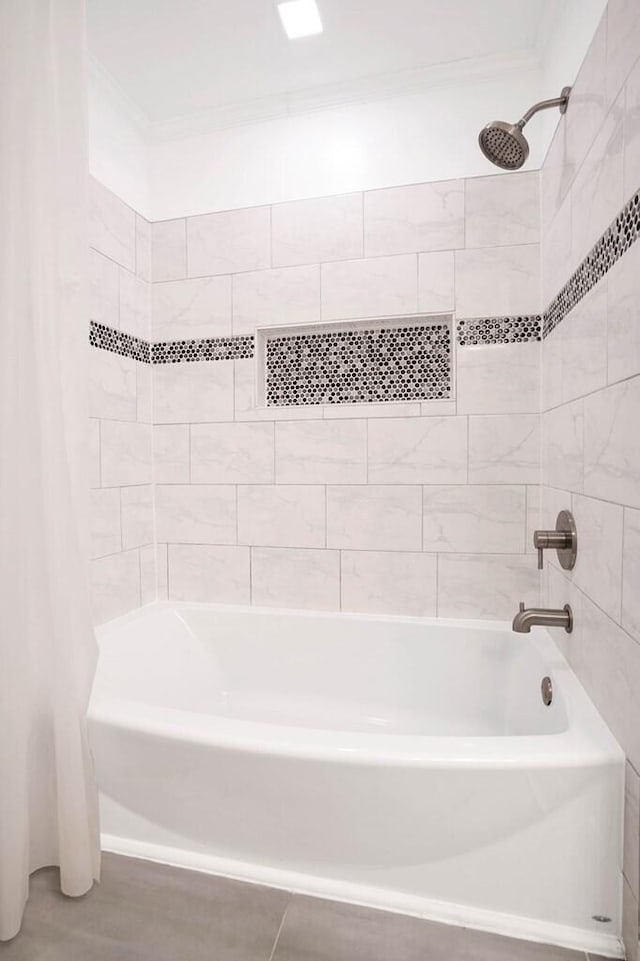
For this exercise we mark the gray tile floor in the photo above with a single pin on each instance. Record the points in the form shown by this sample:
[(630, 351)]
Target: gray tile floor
[(149, 912)]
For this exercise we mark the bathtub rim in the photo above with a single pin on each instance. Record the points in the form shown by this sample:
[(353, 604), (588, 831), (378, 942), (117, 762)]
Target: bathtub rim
[(586, 741)]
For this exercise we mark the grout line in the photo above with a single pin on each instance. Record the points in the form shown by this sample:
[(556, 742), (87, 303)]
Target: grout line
[(279, 932)]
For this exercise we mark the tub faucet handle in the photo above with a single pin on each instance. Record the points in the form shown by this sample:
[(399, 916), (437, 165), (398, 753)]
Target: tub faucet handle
[(564, 540)]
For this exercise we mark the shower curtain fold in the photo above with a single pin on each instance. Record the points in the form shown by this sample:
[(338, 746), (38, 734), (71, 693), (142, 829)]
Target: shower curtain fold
[(48, 798)]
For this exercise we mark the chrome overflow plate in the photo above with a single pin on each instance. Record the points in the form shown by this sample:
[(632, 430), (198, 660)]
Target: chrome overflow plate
[(546, 690)]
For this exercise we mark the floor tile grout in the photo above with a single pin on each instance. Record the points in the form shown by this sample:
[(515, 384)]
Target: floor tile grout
[(279, 932)]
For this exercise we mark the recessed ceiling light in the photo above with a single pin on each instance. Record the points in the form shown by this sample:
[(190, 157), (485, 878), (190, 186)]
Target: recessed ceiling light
[(300, 18)]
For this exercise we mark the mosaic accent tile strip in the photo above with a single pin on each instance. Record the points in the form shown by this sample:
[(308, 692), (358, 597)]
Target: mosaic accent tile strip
[(499, 330), (615, 241), (107, 338), (212, 348), (358, 366)]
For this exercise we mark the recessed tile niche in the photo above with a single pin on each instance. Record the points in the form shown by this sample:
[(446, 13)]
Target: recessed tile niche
[(355, 362)]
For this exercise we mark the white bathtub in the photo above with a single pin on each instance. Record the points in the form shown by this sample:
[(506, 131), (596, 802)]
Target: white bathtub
[(402, 763)]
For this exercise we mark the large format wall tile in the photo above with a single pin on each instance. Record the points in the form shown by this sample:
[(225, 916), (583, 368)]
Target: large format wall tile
[(115, 585), (112, 386), (143, 248), (125, 453), (631, 171), (436, 283), (374, 518), (378, 287), (631, 574), (419, 217), (598, 570), (263, 298), (612, 443), (623, 42), (486, 585), (112, 226), (185, 309), (104, 522), (389, 582), (623, 315), (196, 513), (425, 450), (494, 281), (474, 519), (137, 516), (321, 452), (169, 250), (281, 516), (135, 306), (498, 379), (502, 209), (588, 102), (314, 231), (185, 393), (504, 449), (232, 454), (584, 345), (563, 447), (294, 578), (207, 573), (229, 241), (104, 280), (171, 454)]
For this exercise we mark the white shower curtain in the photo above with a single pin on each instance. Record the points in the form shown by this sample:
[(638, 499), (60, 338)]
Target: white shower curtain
[(48, 809)]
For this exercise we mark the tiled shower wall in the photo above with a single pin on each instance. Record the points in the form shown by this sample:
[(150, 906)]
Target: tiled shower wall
[(591, 397), (407, 508), (122, 537)]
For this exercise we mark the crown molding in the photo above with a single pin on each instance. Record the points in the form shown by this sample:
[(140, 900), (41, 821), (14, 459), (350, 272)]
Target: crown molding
[(325, 97)]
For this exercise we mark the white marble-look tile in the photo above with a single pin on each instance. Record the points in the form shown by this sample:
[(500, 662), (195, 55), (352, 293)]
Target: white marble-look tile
[(584, 345), (294, 578), (557, 590), (137, 516), (631, 858), (196, 513), (112, 226), (104, 517), (498, 379), (607, 663), (389, 582), (632, 133), (502, 209), (374, 517), (474, 519), (112, 386), (504, 449), (424, 450), (229, 241), (623, 43), (597, 189), (555, 176), (232, 454), (206, 573), (317, 230), (321, 452), (378, 287), (486, 586), (557, 254), (281, 515), (495, 281), (612, 443), (192, 392), (419, 217), (93, 458), (552, 501), (143, 248), (588, 102), (287, 295), (169, 250), (563, 447), (144, 388), (631, 574), (390, 409), (551, 369), (598, 570), (149, 574), (135, 305), (115, 585), (534, 516), (125, 453), (162, 571), (104, 303), (436, 288), (623, 316), (189, 309), (171, 454)]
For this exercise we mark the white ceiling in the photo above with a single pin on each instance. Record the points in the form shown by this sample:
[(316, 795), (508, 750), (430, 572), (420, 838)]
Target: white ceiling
[(177, 58)]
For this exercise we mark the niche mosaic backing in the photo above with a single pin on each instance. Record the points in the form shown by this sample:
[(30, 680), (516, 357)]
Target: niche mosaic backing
[(358, 364), (613, 243)]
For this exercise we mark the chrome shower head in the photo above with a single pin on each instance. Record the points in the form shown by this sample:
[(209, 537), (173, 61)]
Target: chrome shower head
[(505, 145)]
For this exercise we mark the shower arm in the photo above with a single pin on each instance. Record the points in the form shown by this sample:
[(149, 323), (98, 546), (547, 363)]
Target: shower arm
[(560, 101)]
